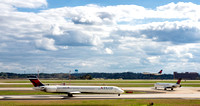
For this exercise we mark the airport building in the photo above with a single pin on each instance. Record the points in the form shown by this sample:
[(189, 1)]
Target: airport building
[(186, 75)]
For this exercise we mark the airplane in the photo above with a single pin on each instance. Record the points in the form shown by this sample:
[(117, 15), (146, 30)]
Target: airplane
[(168, 85), (148, 73), (70, 90)]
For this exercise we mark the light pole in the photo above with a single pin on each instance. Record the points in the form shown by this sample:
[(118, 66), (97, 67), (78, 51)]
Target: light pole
[(69, 76)]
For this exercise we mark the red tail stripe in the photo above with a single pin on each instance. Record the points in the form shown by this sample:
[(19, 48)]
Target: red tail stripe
[(160, 71), (36, 82), (179, 81)]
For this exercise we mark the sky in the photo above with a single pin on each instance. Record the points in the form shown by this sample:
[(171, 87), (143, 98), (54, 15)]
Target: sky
[(58, 36)]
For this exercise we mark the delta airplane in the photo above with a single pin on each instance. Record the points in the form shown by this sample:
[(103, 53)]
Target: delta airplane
[(70, 90), (148, 73), (168, 85)]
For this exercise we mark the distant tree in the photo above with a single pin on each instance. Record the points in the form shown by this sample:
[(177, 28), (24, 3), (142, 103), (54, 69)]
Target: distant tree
[(3, 75), (124, 75), (86, 76)]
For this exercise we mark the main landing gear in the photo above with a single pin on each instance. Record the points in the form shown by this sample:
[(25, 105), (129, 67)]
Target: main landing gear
[(118, 94), (70, 95), (171, 89)]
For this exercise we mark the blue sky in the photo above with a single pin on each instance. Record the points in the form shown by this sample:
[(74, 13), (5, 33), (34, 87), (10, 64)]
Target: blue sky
[(144, 3), (99, 36)]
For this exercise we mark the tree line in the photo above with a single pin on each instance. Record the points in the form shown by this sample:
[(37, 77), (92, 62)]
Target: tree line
[(123, 75)]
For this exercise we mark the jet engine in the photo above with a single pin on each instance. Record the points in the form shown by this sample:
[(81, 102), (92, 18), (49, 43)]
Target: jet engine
[(50, 89)]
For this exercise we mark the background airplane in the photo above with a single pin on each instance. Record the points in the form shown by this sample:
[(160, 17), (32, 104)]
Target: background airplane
[(148, 73), (168, 85), (70, 90)]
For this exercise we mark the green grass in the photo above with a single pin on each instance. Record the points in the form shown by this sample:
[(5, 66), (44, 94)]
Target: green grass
[(27, 93), (190, 85), (100, 84), (100, 81), (6, 85), (119, 83), (114, 102)]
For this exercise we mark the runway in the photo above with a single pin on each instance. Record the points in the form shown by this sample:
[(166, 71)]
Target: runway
[(178, 93), (102, 96)]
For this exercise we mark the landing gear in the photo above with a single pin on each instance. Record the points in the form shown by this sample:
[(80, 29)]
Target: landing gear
[(172, 89), (70, 95), (118, 94), (165, 89)]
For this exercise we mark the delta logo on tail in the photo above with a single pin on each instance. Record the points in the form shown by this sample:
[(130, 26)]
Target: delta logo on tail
[(148, 73), (36, 82), (168, 85), (70, 90)]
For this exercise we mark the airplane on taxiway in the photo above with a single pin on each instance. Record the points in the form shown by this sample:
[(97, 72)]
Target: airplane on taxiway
[(168, 85), (148, 73), (70, 90)]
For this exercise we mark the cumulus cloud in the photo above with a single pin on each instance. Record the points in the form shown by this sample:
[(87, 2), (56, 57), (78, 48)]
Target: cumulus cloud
[(180, 50), (45, 44), (75, 38), (175, 32), (180, 6), (180, 10), (25, 4), (10, 66), (108, 51), (92, 31)]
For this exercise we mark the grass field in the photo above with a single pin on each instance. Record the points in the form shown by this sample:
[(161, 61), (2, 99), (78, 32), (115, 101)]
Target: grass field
[(7, 86), (115, 102), (119, 83), (26, 93), (100, 81), (102, 84)]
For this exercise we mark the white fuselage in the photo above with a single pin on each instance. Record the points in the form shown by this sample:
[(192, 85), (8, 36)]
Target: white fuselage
[(81, 89), (147, 73), (166, 85)]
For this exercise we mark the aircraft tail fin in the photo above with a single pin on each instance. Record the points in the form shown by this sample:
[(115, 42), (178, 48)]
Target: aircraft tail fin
[(179, 81), (160, 72), (35, 81)]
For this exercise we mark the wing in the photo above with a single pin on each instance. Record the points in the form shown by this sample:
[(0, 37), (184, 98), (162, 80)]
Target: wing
[(74, 92)]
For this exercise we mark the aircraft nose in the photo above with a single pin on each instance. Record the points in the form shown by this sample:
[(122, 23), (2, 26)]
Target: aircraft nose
[(121, 91)]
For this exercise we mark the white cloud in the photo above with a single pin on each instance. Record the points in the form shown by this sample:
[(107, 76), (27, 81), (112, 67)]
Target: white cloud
[(154, 59), (46, 44), (10, 67), (108, 51), (25, 3), (180, 10), (81, 64), (175, 32), (169, 33), (181, 50), (56, 30)]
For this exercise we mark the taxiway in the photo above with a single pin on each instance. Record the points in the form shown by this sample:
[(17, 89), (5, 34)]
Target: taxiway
[(151, 93)]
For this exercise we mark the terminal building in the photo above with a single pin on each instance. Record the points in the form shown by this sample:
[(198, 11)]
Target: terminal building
[(186, 75)]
